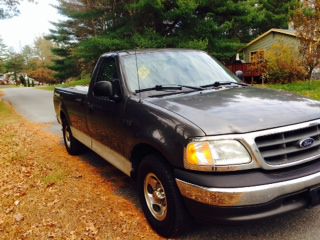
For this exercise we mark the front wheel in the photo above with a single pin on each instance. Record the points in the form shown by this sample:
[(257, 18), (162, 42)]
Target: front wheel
[(160, 199), (73, 146)]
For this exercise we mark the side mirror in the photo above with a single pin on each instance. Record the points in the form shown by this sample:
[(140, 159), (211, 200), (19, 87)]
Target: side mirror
[(103, 89)]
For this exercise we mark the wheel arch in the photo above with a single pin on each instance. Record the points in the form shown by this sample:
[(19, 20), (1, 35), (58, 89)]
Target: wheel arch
[(63, 117), (140, 151)]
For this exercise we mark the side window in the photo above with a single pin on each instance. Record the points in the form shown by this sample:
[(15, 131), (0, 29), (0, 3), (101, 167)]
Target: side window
[(257, 56), (108, 70)]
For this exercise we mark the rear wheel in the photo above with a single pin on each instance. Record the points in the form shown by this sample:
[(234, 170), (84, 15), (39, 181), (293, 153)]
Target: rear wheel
[(73, 146), (160, 199)]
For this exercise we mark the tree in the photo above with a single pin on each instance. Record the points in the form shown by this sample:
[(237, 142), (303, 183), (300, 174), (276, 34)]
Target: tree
[(220, 27), (33, 60), (9, 8), (268, 14), (39, 54), (14, 63), (306, 21), (64, 64), (3, 55), (3, 50), (43, 51), (37, 59)]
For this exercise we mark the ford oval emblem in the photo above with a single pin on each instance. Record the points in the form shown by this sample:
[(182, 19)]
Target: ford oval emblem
[(308, 142)]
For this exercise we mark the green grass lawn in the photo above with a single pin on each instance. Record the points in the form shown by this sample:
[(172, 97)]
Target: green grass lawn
[(4, 109), (6, 113), (81, 82), (8, 86), (307, 89)]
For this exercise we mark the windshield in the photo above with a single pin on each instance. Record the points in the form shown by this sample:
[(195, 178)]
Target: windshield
[(191, 68)]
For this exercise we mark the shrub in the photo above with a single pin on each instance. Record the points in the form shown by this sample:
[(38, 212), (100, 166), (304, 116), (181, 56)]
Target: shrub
[(283, 64), (43, 75)]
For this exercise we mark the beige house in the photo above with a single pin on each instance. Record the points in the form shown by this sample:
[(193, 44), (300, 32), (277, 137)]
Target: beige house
[(256, 48)]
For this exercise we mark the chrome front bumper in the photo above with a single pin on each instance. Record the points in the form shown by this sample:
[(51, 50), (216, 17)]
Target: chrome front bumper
[(246, 196)]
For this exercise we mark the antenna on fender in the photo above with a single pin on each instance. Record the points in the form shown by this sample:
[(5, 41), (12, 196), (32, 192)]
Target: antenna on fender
[(137, 69)]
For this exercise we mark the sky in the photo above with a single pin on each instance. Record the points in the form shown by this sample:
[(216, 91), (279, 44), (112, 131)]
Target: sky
[(33, 21)]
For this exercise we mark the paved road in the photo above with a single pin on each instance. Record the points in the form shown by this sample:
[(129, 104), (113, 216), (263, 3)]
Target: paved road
[(36, 105)]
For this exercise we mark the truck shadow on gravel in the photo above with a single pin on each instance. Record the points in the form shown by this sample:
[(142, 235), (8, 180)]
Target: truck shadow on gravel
[(123, 184), (294, 225)]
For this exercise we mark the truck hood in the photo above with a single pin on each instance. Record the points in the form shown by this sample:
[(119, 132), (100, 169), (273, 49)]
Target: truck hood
[(240, 110)]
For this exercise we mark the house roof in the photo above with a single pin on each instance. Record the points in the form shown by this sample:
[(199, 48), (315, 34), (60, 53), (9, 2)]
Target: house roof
[(272, 30)]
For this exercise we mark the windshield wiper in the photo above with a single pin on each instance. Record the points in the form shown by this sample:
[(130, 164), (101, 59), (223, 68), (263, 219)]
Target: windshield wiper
[(159, 88), (191, 87), (218, 84), (163, 87)]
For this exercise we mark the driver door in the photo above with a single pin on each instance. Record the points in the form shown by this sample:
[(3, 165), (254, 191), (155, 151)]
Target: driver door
[(105, 114)]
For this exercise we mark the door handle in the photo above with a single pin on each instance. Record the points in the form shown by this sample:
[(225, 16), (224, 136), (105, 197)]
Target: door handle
[(79, 100)]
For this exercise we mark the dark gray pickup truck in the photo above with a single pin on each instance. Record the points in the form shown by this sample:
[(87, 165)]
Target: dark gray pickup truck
[(200, 144)]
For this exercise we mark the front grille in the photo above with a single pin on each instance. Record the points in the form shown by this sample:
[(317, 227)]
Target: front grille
[(283, 148)]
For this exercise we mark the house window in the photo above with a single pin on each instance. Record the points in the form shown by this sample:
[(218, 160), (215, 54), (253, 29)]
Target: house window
[(257, 56)]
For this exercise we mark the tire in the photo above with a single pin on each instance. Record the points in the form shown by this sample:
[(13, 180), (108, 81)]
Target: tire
[(73, 146), (159, 197)]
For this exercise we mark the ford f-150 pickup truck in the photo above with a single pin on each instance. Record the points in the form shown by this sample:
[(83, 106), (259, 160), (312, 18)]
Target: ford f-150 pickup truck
[(201, 144)]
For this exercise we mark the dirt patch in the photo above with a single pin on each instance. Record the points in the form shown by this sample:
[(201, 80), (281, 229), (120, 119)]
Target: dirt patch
[(47, 194)]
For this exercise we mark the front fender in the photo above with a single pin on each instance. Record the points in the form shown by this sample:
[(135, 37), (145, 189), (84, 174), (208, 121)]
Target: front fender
[(161, 129)]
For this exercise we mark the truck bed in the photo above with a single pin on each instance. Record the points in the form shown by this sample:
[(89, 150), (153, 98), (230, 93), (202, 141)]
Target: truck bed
[(72, 99), (83, 90)]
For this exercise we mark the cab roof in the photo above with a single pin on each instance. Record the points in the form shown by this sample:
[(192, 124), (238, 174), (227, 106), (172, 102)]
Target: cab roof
[(140, 51)]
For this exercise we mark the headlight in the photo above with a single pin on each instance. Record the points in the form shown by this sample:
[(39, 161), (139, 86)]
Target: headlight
[(207, 155)]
